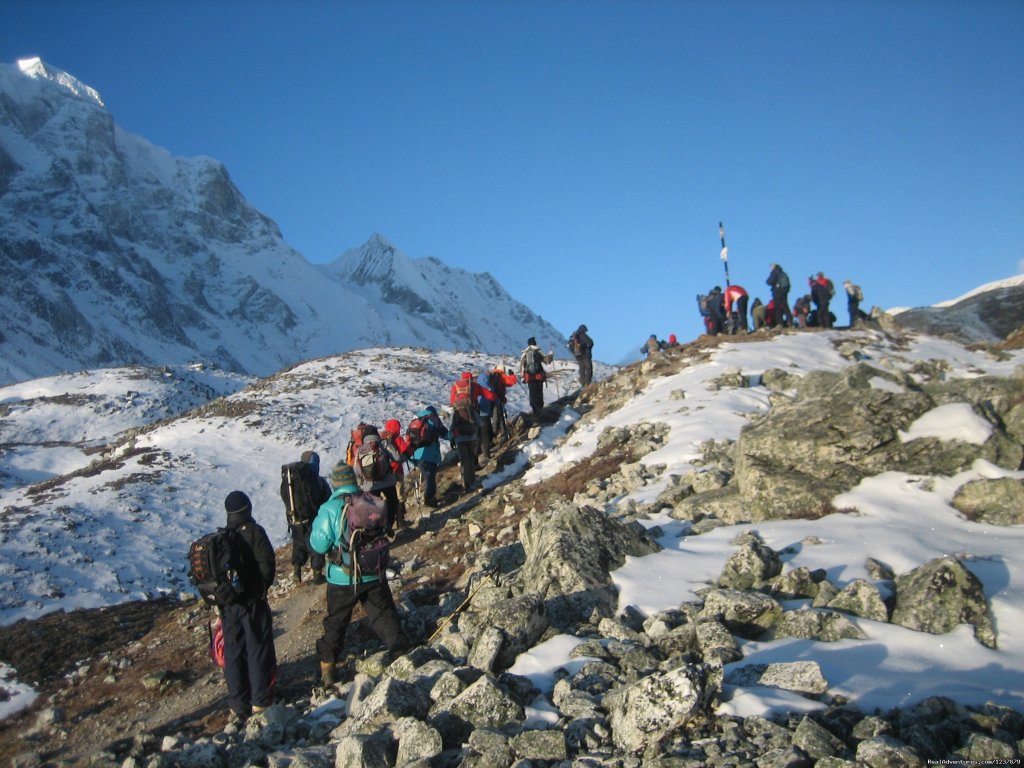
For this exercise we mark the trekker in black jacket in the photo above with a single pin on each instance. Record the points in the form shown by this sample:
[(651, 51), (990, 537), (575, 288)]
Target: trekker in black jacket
[(250, 660), (778, 280), (581, 346)]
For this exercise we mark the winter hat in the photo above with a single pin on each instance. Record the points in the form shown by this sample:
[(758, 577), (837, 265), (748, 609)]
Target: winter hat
[(344, 479), (312, 458), (237, 503), (467, 375), (532, 341), (583, 328), (394, 426)]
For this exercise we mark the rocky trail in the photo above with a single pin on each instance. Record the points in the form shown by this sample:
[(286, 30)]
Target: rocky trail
[(107, 676)]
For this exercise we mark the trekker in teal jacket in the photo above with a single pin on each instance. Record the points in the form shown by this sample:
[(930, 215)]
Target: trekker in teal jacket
[(329, 531)]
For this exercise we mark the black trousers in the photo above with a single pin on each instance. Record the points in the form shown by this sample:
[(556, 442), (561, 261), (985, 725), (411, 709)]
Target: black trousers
[(467, 461), (375, 597), (536, 389), (302, 551), (250, 660), (783, 316), (486, 435), (586, 366)]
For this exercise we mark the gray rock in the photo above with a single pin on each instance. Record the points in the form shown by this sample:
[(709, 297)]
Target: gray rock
[(794, 584), (364, 751), (994, 501), (204, 755), (938, 596), (788, 757), (752, 565), (887, 752), (642, 713), (539, 745), (983, 749), (816, 740), (569, 554), (416, 741), (484, 704), (795, 459), (824, 626), (747, 614), (390, 700), (861, 598), (797, 676), (716, 642), (486, 648)]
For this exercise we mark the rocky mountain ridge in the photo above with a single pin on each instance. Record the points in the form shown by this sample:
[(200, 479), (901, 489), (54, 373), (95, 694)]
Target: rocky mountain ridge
[(530, 562), (117, 253)]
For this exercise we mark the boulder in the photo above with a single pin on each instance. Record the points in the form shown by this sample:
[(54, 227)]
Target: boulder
[(391, 699), (797, 676), (994, 501), (938, 596), (824, 626), (750, 566), (643, 713), (484, 704), (861, 598), (747, 614), (841, 428), (569, 553)]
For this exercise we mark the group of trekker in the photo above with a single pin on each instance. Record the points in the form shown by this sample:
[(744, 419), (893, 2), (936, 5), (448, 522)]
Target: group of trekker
[(726, 311), (343, 527)]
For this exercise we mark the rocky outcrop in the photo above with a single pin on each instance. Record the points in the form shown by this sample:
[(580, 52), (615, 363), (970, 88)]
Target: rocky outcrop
[(834, 429), (570, 551)]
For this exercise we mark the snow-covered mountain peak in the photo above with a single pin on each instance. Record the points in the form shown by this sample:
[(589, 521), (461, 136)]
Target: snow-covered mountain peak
[(371, 262), (36, 68), (118, 253)]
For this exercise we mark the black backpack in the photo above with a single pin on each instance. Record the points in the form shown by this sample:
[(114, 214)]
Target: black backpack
[(782, 284), (535, 362), (216, 567), (301, 492)]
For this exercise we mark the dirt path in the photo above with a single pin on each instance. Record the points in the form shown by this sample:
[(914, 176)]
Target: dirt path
[(107, 675)]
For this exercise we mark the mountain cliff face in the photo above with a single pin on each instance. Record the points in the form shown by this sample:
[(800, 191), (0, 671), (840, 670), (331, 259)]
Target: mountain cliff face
[(989, 313), (115, 252)]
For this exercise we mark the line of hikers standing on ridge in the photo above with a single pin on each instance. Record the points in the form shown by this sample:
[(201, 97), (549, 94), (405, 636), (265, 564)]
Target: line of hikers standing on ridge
[(726, 311), (344, 527)]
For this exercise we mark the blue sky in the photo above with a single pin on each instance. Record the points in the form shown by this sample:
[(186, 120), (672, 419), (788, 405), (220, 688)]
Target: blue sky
[(583, 153)]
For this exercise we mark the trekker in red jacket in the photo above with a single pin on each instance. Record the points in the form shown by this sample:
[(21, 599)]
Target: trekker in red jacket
[(465, 427), (735, 318), (392, 435)]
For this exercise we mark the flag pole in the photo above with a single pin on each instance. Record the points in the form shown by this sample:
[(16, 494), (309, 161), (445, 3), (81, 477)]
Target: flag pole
[(725, 252)]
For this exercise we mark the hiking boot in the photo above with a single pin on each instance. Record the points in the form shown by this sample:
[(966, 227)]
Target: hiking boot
[(256, 709), (327, 677), (320, 578), (297, 574), (236, 718)]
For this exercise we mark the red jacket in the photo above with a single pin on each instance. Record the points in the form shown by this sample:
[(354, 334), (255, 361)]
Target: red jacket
[(393, 433), (731, 294)]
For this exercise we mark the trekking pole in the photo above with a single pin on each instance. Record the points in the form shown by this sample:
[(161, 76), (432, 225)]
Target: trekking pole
[(487, 573), (291, 501), (725, 252)]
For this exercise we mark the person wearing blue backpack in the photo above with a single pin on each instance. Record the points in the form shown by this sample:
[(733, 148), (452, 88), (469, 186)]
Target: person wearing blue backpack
[(346, 584)]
